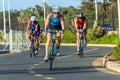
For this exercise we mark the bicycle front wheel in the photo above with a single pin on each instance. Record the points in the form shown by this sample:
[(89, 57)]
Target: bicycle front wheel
[(81, 52), (51, 56), (51, 63), (81, 48)]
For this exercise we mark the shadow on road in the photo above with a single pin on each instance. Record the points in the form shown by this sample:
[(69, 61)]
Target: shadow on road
[(69, 70)]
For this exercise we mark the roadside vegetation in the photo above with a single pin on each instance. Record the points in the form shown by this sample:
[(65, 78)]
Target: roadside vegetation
[(116, 52)]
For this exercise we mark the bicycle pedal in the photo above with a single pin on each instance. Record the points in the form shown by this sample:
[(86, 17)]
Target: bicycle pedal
[(46, 60), (51, 58)]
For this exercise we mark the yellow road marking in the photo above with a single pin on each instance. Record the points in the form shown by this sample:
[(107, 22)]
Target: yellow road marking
[(38, 75), (49, 78), (36, 64), (32, 72), (30, 69)]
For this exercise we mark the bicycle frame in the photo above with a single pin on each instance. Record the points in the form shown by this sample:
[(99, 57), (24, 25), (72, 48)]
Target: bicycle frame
[(81, 43), (32, 47), (53, 45), (52, 51)]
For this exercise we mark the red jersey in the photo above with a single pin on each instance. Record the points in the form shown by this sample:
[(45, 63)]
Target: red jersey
[(81, 23)]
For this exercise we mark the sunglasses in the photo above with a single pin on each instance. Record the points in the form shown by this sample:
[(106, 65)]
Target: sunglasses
[(56, 13)]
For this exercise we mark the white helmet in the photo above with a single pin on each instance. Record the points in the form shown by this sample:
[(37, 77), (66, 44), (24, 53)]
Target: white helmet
[(80, 15), (33, 18), (55, 9)]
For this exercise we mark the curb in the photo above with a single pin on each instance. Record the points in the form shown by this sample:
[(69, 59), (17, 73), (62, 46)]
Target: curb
[(4, 51), (110, 64)]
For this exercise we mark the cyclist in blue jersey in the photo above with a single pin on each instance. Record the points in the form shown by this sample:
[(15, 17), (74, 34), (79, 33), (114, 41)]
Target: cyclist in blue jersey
[(33, 27), (54, 20)]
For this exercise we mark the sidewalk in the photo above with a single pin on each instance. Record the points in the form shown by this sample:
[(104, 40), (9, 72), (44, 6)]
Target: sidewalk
[(98, 65), (108, 63)]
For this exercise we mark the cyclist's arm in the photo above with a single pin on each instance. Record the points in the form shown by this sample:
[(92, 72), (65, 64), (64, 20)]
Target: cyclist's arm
[(36, 28), (47, 21), (62, 22), (76, 26), (28, 26), (85, 24)]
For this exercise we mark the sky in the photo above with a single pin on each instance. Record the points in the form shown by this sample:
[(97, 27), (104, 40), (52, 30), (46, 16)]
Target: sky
[(24, 4)]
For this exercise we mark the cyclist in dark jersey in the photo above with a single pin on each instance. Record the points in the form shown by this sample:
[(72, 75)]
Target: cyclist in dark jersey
[(55, 20), (33, 27), (80, 20)]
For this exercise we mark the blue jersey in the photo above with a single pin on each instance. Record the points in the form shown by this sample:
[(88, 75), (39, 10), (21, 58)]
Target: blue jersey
[(54, 21), (33, 26)]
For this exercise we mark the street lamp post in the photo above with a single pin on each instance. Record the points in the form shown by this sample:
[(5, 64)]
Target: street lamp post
[(9, 14), (10, 30), (4, 21)]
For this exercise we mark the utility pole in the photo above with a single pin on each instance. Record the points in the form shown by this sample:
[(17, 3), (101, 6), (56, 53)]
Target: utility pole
[(44, 10), (118, 1), (96, 10)]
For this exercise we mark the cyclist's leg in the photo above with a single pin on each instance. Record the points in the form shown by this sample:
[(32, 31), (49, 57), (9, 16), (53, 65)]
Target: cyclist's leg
[(58, 40), (78, 40), (29, 34), (49, 37), (40, 37), (37, 42), (37, 39), (58, 34), (84, 35)]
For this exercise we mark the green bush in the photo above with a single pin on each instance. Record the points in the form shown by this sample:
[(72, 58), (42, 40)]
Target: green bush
[(1, 35), (69, 37), (106, 39), (116, 52)]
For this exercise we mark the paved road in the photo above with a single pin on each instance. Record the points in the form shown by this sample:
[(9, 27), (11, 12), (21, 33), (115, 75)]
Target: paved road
[(68, 66)]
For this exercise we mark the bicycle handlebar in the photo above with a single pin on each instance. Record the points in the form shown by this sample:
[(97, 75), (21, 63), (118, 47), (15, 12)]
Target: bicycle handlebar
[(54, 31)]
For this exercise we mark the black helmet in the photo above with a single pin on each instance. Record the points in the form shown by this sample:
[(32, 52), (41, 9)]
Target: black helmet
[(80, 15)]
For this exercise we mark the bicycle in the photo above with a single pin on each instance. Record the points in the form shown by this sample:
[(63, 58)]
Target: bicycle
[(81, 43), (52, 51), (32, 45)]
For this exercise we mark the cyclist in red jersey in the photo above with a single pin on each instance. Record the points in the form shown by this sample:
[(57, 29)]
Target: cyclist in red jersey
[(80, 20)]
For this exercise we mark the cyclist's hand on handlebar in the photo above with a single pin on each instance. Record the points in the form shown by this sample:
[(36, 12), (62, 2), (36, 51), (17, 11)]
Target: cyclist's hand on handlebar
[(62, 33), (80, 30), (45, 33), (34, 32)]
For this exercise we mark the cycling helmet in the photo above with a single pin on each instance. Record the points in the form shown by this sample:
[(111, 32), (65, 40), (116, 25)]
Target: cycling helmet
[(55, 9), (33, 18), (80, 15)]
